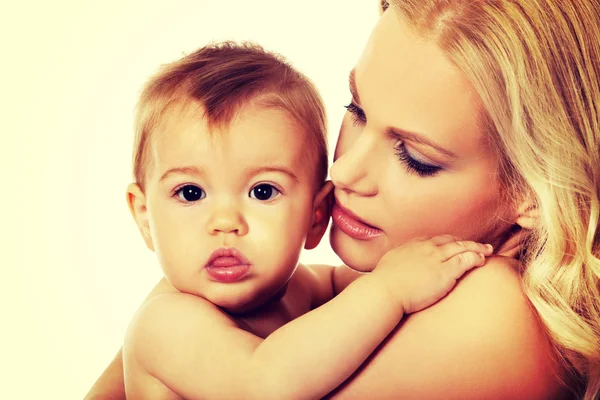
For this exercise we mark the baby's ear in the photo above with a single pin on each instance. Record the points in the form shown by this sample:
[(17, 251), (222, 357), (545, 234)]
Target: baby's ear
[(321, 212), (137, 206)]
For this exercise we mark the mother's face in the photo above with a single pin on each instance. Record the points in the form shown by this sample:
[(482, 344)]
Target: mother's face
[(411, 159)]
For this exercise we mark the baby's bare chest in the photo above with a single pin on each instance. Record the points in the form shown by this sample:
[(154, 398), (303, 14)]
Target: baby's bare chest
[(295, 303)]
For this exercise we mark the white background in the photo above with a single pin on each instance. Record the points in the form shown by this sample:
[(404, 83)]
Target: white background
[(74, 268)]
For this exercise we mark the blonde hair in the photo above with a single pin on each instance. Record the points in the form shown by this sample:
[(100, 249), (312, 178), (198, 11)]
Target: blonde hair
[(222, 78), (536, 67)]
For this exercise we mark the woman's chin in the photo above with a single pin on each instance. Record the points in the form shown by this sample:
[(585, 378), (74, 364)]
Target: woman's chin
[(359, 255)]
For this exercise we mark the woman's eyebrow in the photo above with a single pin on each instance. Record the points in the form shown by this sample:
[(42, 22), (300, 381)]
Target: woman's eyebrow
[(401, 133), (352, 83), (418, 138)]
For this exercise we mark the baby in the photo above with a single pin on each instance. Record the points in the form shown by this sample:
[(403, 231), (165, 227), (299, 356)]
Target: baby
[(230, 164)]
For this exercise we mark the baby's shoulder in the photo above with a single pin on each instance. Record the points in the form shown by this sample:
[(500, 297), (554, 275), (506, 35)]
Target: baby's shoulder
[(309, 273), (157, 317), (177, 304), (315, 281)]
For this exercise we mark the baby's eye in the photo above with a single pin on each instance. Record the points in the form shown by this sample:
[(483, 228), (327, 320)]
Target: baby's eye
[(264, 192), (190, 193)]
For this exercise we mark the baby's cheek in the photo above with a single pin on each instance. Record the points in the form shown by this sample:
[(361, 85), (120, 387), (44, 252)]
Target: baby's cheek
[(288, 229), (278, 232), (180, 247)]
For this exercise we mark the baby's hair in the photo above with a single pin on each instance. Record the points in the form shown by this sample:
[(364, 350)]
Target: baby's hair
[(222, 78)]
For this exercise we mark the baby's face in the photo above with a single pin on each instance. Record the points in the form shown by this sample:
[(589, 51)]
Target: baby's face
[(229, 212)]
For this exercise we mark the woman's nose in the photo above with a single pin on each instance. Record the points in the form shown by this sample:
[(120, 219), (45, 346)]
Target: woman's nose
[(353, 170), (227, 219)]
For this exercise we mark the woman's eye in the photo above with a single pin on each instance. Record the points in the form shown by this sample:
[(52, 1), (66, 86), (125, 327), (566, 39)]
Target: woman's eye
[(412, 165), (384, 5), (358, 115), (190, 193), (264, 192)]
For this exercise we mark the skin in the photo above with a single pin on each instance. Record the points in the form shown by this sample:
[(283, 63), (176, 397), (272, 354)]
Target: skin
[(228, 214), (201, 193), (483, 340), (459, 348), (404, 83)]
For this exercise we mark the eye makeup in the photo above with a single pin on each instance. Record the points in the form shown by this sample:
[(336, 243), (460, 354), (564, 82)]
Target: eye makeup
[(412, 164)]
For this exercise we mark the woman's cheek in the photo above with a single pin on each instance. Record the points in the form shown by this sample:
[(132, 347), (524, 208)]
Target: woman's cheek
[(452, 208), (417, 206)]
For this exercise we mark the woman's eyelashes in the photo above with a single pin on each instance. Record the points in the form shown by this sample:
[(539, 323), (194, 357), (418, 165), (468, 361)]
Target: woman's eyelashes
[(384, 5), (358, 115), (412, 165)]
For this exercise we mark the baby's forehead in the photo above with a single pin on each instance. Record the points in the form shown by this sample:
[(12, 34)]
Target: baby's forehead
[(252, 122), (255, 136)]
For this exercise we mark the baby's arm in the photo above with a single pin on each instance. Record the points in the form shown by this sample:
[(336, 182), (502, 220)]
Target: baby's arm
[(198, 352), (110, 384)]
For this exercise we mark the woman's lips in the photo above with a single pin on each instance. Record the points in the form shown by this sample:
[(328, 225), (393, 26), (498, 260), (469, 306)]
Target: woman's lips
[(227, 265), (352, 226)]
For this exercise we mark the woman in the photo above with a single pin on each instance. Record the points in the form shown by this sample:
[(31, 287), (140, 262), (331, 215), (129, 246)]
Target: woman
[(478, 119)]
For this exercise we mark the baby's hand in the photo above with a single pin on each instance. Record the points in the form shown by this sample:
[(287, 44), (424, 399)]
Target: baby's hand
[(423, 271)]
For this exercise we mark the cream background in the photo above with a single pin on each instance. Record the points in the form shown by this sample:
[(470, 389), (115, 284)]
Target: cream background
[(74, 267)]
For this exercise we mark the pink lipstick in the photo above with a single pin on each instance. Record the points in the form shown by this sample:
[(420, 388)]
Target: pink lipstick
[(352, 225), (227, 265)]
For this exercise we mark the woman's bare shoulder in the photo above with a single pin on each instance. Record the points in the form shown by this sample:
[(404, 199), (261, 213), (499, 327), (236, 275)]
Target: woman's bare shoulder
[(481, 341)]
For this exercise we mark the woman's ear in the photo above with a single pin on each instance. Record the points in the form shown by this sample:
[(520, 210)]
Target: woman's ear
[(321, 212), (526, 219), (528, 215), (137, 206)]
